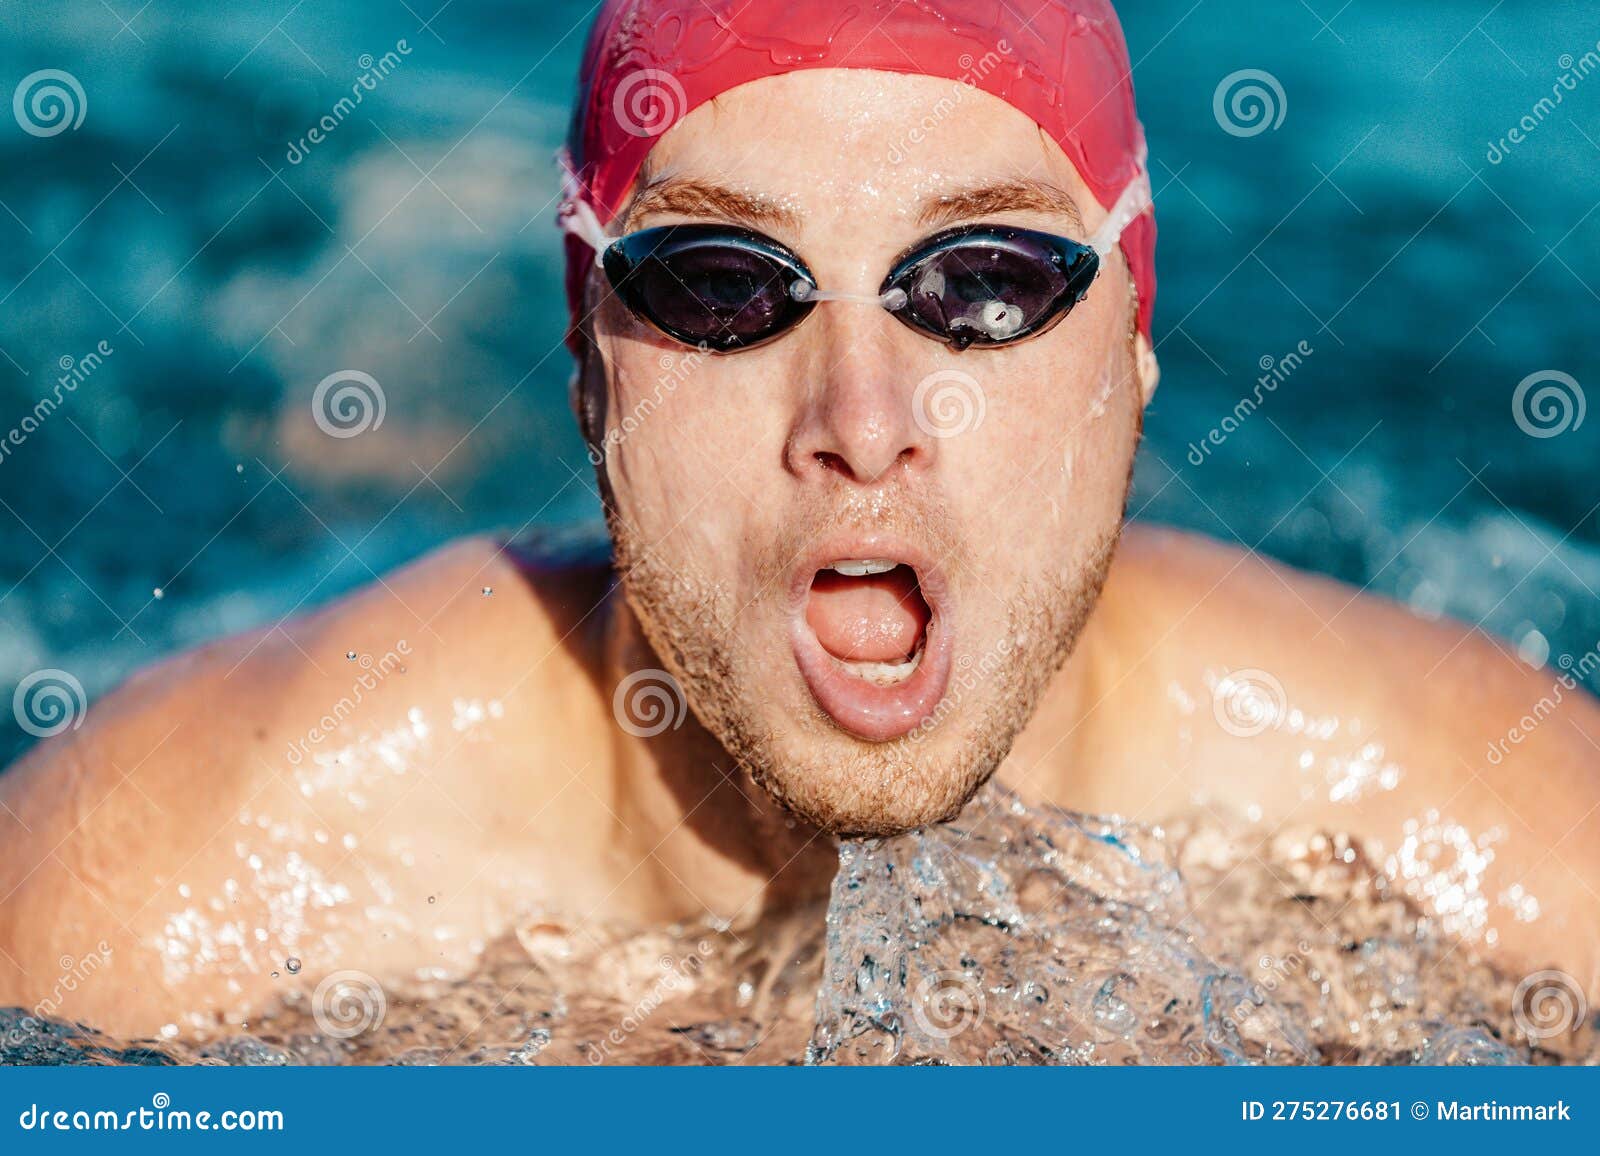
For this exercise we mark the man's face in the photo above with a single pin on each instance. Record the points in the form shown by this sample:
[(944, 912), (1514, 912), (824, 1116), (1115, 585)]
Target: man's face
[(862, 553)]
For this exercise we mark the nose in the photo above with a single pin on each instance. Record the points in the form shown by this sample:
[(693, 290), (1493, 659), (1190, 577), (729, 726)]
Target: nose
[(858, 420)]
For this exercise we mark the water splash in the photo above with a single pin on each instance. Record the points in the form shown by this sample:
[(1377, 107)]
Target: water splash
[(1015, 935)]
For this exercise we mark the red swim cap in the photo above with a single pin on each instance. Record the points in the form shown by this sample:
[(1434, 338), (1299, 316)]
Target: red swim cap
[(649, 63)]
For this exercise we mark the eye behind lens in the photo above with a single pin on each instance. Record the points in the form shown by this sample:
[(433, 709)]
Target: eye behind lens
[(990, 285), (722, 287)]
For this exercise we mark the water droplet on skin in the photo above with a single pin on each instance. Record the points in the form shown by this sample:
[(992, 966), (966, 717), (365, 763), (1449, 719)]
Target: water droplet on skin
[(350, 654), (431, 898), (293, 964), (274, 975), (488, 590)]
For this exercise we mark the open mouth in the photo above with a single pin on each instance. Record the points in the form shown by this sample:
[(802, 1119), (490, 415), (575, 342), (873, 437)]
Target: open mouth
[(869, 614), (871, 637)]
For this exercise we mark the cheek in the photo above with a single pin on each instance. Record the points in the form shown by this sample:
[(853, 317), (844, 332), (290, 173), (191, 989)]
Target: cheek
[(681, 447), (1061, 430)]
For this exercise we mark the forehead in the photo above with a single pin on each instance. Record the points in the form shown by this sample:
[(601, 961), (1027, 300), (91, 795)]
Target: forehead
[(829, 138)]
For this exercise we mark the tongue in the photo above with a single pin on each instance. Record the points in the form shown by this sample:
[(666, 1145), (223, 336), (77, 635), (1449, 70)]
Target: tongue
[(872, 619)]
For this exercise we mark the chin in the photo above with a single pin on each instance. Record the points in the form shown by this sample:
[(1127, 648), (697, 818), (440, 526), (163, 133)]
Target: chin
[(847, 787)]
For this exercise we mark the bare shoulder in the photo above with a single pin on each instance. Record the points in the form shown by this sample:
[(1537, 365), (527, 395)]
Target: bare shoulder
[(1450, 692), (1299, 699), (218, 813)]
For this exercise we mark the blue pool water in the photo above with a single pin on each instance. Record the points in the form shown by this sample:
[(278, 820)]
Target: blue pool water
[(1371, 224)]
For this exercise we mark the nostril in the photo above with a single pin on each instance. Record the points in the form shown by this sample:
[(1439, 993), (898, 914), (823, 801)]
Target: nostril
[(865, 470), (834, 463)]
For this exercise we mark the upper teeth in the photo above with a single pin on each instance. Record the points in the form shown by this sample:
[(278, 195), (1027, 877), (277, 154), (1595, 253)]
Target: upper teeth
[(861, 567)]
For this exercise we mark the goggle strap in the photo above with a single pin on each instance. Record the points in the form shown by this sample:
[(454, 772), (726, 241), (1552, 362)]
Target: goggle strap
[(578, 219), (1134, 202), (575, 215)]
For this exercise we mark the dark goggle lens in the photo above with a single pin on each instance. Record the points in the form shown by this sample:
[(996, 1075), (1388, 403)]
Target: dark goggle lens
[(991, 286), (708, 284)]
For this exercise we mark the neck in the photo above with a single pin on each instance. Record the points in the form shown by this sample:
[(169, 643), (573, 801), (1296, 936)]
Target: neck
[(706, 838)]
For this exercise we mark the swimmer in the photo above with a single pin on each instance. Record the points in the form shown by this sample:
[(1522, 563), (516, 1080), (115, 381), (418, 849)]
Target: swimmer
[(861, 302)]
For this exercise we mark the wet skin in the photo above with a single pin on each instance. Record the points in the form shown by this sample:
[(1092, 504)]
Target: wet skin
[(203, 826)]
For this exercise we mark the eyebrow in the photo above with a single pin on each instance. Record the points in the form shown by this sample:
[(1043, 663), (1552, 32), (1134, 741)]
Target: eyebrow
[(695, 198), (1019, 195)]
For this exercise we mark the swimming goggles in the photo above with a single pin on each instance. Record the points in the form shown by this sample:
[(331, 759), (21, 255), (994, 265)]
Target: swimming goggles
[(727, 288)]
